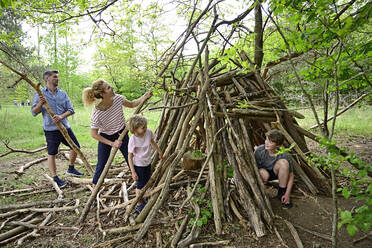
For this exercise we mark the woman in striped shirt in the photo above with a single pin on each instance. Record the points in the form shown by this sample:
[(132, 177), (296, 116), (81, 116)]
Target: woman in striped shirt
[(108, 121)]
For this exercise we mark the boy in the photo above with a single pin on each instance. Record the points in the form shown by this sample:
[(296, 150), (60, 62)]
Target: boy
[(272, 166)]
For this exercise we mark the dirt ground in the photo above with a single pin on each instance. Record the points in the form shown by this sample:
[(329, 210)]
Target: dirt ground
[(313, 213)]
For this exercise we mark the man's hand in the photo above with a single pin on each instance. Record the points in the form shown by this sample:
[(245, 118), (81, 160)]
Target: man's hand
[(57, 118), (42, 100), (134, 176)]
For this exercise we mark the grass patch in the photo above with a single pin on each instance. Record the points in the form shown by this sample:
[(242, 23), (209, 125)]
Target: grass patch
[(354, 122), (25, 131)]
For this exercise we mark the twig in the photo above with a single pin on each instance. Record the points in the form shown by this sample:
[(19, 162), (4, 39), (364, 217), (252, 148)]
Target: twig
[(55, 186)]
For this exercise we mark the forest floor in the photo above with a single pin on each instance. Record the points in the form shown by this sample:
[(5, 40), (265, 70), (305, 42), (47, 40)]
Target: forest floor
[(313, 213)]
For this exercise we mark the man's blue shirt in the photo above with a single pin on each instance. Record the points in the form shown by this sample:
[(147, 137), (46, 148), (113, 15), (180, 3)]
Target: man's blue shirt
[(59, 103)]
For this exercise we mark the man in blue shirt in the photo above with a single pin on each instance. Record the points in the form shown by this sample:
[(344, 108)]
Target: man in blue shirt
[(61, 106)]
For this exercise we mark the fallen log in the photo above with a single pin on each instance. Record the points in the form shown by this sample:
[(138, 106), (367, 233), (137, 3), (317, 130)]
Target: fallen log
[(21, 169), (18, 230), (32, 204)]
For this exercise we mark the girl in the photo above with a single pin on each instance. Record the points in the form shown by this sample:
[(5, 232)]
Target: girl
[(107, 121), (140, 153)]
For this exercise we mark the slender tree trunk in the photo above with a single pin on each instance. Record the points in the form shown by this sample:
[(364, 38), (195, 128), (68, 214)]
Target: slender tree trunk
[(258, 48)]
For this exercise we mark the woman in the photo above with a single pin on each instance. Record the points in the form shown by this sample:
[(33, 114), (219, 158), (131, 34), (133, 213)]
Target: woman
[(107, 121)]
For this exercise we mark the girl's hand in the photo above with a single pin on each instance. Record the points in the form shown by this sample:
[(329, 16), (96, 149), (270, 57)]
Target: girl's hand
[(116, 144), (134, 176)]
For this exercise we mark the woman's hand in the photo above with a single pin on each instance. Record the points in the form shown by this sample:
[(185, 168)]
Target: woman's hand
[(116, 144)]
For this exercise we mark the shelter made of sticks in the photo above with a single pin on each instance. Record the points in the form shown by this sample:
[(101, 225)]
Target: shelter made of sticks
[(225, 115)]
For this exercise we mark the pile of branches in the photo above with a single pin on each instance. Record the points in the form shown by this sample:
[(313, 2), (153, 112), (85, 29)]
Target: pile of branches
[(224, 115)]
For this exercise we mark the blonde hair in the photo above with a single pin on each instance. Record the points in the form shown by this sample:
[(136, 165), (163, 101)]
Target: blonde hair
[(136, 121), (91, 94)]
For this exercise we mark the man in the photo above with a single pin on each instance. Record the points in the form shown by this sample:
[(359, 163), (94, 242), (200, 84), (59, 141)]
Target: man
[(62, 108), (272, 166)]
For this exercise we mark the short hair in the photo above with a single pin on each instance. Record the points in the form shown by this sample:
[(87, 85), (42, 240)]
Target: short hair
[(137, 121), (275, 136), (48, 74)]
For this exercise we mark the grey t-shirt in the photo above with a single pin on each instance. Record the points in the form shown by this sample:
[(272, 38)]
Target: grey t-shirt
[(264, 160)]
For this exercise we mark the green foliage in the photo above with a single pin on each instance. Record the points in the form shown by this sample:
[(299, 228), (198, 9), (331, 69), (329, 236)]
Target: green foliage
[(360, 186), (196, 154), (206, 208), (282, 149)]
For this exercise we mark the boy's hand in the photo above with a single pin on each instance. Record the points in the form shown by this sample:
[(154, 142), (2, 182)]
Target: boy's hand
[(134, 176), (285, 199)]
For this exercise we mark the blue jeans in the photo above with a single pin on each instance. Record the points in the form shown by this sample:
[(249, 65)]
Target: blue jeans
[(104, 152)]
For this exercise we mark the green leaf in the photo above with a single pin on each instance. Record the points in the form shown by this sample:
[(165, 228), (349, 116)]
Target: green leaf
[(346, 216), (351, 229), (346, 193)]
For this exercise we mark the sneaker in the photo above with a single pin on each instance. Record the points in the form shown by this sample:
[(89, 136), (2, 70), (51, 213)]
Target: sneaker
[(140, 207), (74, 172), (287, 205), (60, 182)]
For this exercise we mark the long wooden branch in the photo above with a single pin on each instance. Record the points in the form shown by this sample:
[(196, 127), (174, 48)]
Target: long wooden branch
[(22, 169), (279, 61), (59, 125), (12, 150)]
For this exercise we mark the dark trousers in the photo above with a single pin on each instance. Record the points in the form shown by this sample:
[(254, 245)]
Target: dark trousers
[(104, 153)]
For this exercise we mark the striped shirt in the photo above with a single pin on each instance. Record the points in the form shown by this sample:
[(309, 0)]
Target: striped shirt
[(111, 120)]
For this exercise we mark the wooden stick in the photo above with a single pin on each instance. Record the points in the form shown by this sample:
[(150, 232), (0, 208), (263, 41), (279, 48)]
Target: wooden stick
[(294, 234), (17, 230), (12, 150), (237, 214), (21, 169), (159, 243), (211, 244), (16, 191), (195, 230), (106, 181), (11, 239), (34, 232), (111, 242), (55, 186), (178, 235), (321, 235), (32, 204), (29, 225)]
